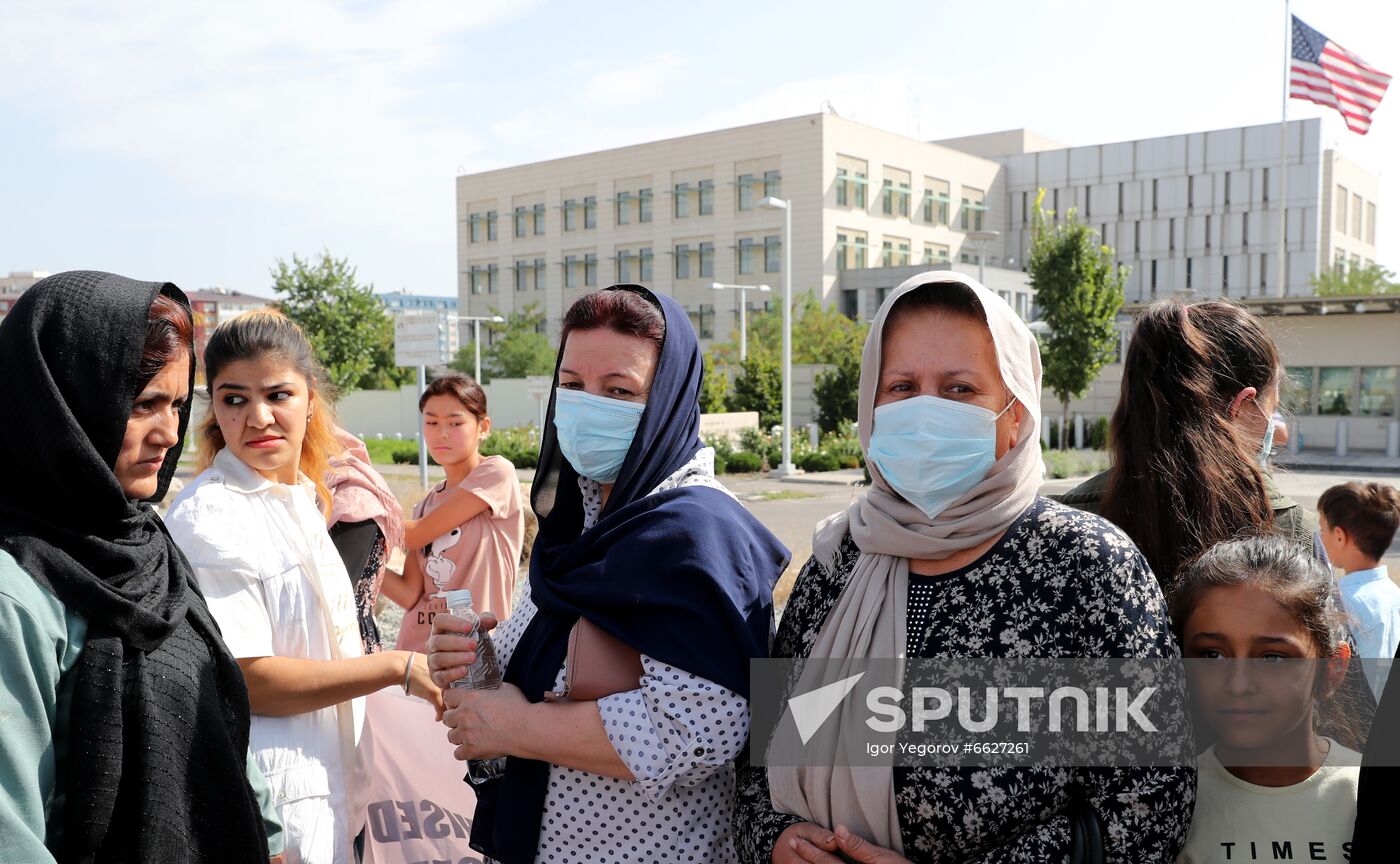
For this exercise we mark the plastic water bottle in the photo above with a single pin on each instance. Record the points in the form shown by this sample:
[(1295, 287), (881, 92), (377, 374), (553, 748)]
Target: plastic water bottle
[(483, 674)]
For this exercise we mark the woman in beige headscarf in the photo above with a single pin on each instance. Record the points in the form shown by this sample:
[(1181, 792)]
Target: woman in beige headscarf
[(953, 553)]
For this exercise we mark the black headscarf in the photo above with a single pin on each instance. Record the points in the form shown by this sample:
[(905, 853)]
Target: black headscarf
[(684, 576), (158, 732)]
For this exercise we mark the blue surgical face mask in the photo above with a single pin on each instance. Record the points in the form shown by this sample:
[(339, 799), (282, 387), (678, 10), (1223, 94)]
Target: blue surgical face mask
[(932, 451), (595, 433)]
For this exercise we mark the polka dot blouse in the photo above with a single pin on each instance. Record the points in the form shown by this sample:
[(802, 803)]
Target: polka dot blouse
[(678, 733)]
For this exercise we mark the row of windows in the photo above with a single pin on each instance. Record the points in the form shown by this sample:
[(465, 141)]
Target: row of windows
[(1196, 275), (1362, 213), (1365, 391), (1138, 236), (852, 252), (689, 261), (1341, 262), (850, 301), (1152, 191), (896, 197), (629, 207)]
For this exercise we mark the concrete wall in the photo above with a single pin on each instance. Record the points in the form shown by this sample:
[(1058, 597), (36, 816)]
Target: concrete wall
[(387, 412)]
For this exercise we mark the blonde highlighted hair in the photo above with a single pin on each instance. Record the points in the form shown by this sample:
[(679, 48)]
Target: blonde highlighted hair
[(269, 333)]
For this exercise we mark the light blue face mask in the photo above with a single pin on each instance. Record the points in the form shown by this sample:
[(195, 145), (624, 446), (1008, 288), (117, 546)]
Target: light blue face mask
[(1266, 447), (932, 451), (595, 433)]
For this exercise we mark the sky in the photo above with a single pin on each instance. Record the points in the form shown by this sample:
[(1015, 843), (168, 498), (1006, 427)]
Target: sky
[(200, 143)]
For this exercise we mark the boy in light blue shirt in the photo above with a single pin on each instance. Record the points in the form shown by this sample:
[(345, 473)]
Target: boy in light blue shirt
[(1358, 522)]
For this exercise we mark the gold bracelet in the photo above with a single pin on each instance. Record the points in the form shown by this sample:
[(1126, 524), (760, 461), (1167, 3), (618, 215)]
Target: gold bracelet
[(408, 670)]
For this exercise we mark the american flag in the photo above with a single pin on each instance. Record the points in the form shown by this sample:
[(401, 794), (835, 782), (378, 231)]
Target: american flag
[(1326, 73)]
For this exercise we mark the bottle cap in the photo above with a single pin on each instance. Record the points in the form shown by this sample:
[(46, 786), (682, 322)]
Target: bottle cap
[(458, 597)]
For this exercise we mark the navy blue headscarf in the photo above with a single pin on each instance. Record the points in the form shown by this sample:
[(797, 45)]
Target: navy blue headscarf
[(684, 576)]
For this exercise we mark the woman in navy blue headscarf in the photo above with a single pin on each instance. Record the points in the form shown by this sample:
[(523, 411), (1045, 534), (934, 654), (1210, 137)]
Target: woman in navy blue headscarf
[(637, 537)]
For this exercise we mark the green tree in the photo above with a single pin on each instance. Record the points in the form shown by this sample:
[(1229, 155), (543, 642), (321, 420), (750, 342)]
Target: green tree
[(837, 393), (517, 348), (1354, 281), (352, 332), (714, 387), (759, 387), (1080, 292), (820, 334)]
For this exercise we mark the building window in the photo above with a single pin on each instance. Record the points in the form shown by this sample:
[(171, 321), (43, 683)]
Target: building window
[(1120, 198), (842, 241), (1341, 208), (747, 245), (936, 201), (935, 253), (522, 273), (539, 274), (1377, 391), (1171, 235), (707, 260), (1371, 223), (478, 278), (1022, 298), (493, 274), (973, 210), (590, 212), (746, 183), (1188, 274), (539, 219), (861, 184), (490, 225), (1244, 230), (520, 219), (1266, 186), (1225, 275), (1263, 272), (1153, 283), (1339, 263), (682, 256), (902, 253), (886, 253), (1356, 210), (624, 208), (570, 214), (850, 251), (644, 265), (772, 254), (706, 197), (1335, 388), (590, 269), (1297, 390), (570, 271), (703, 320), (1137, 237), (644, 205), (1190, 192), (680, 198), (1154, 196), (887, 198), (841, 194), (1088, 203), (772, 184), (1207, 230), (850, 303), (1025, 208), (476, 228), (622, 260)]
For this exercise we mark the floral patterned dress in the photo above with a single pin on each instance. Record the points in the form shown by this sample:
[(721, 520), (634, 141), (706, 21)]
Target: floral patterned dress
[(1059, 583)]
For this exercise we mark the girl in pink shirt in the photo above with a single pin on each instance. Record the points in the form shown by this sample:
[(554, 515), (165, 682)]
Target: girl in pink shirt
[(468, 532)]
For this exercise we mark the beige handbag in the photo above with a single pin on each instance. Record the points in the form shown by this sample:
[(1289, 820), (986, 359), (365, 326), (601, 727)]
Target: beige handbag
[(598, 664)]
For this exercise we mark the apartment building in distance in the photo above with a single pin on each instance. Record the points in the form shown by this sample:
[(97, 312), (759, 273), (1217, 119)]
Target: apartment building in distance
[(15, 284), (445, 308), (681, 214), (1196, 214)]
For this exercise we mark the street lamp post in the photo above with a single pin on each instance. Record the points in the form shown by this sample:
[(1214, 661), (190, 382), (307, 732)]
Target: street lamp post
[(770, 203), (476, 334), (983, 239), (743, 318)]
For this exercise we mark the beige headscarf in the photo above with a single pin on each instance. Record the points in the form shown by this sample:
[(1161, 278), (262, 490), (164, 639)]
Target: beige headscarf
[(868, 621)]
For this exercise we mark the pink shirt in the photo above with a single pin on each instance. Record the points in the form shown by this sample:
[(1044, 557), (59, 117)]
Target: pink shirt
[(481, 555)]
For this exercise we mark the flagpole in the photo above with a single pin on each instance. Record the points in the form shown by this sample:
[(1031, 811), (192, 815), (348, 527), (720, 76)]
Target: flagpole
[(1283, 156)]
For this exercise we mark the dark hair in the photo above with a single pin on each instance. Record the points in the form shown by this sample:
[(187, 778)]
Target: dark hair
[(461, 387), (1368, 512), (619, 310), (1298, 582), (269, 333), (952, 298), (1184, 477), (169, 336)]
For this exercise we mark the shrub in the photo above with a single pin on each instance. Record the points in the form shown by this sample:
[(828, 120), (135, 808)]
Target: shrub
[(720, 443), (1098, 434), (837, 392), (743, 461), (844, 446), (818, 461), (721, 465), (519, 445), (1075, 463), (757, 442), (758, 387)]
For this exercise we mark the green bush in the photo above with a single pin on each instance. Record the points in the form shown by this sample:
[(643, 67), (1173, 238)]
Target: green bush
[(721, 465), (818, 461), (744, 462), (844, 446), (405, 456), (1075, 463), (1098, 434), (518, 445), (720, 443), (756, 441)]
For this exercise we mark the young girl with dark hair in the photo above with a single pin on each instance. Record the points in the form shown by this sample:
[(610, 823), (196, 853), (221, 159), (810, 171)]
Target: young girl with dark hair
[(1277, 778), (253, 524), (1191, 435), (468, 531), (124, 720)]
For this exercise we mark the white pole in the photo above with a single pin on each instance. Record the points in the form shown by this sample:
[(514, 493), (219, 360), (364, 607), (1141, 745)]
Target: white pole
[(743, 329), (1283, 156), (476, 341), (787, 467), (422, 440)]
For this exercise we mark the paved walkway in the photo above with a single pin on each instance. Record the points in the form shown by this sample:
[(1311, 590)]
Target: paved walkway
[(1357, 462)]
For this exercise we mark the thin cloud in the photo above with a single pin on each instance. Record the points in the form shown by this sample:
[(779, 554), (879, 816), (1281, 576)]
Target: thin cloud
[(635, 85)]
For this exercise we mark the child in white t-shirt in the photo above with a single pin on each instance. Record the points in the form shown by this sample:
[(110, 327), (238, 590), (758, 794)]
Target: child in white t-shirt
[(1258, 620)]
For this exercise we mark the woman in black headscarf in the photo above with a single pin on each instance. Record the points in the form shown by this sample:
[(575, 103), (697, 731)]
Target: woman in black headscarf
[(125, 732), (637, 538)]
